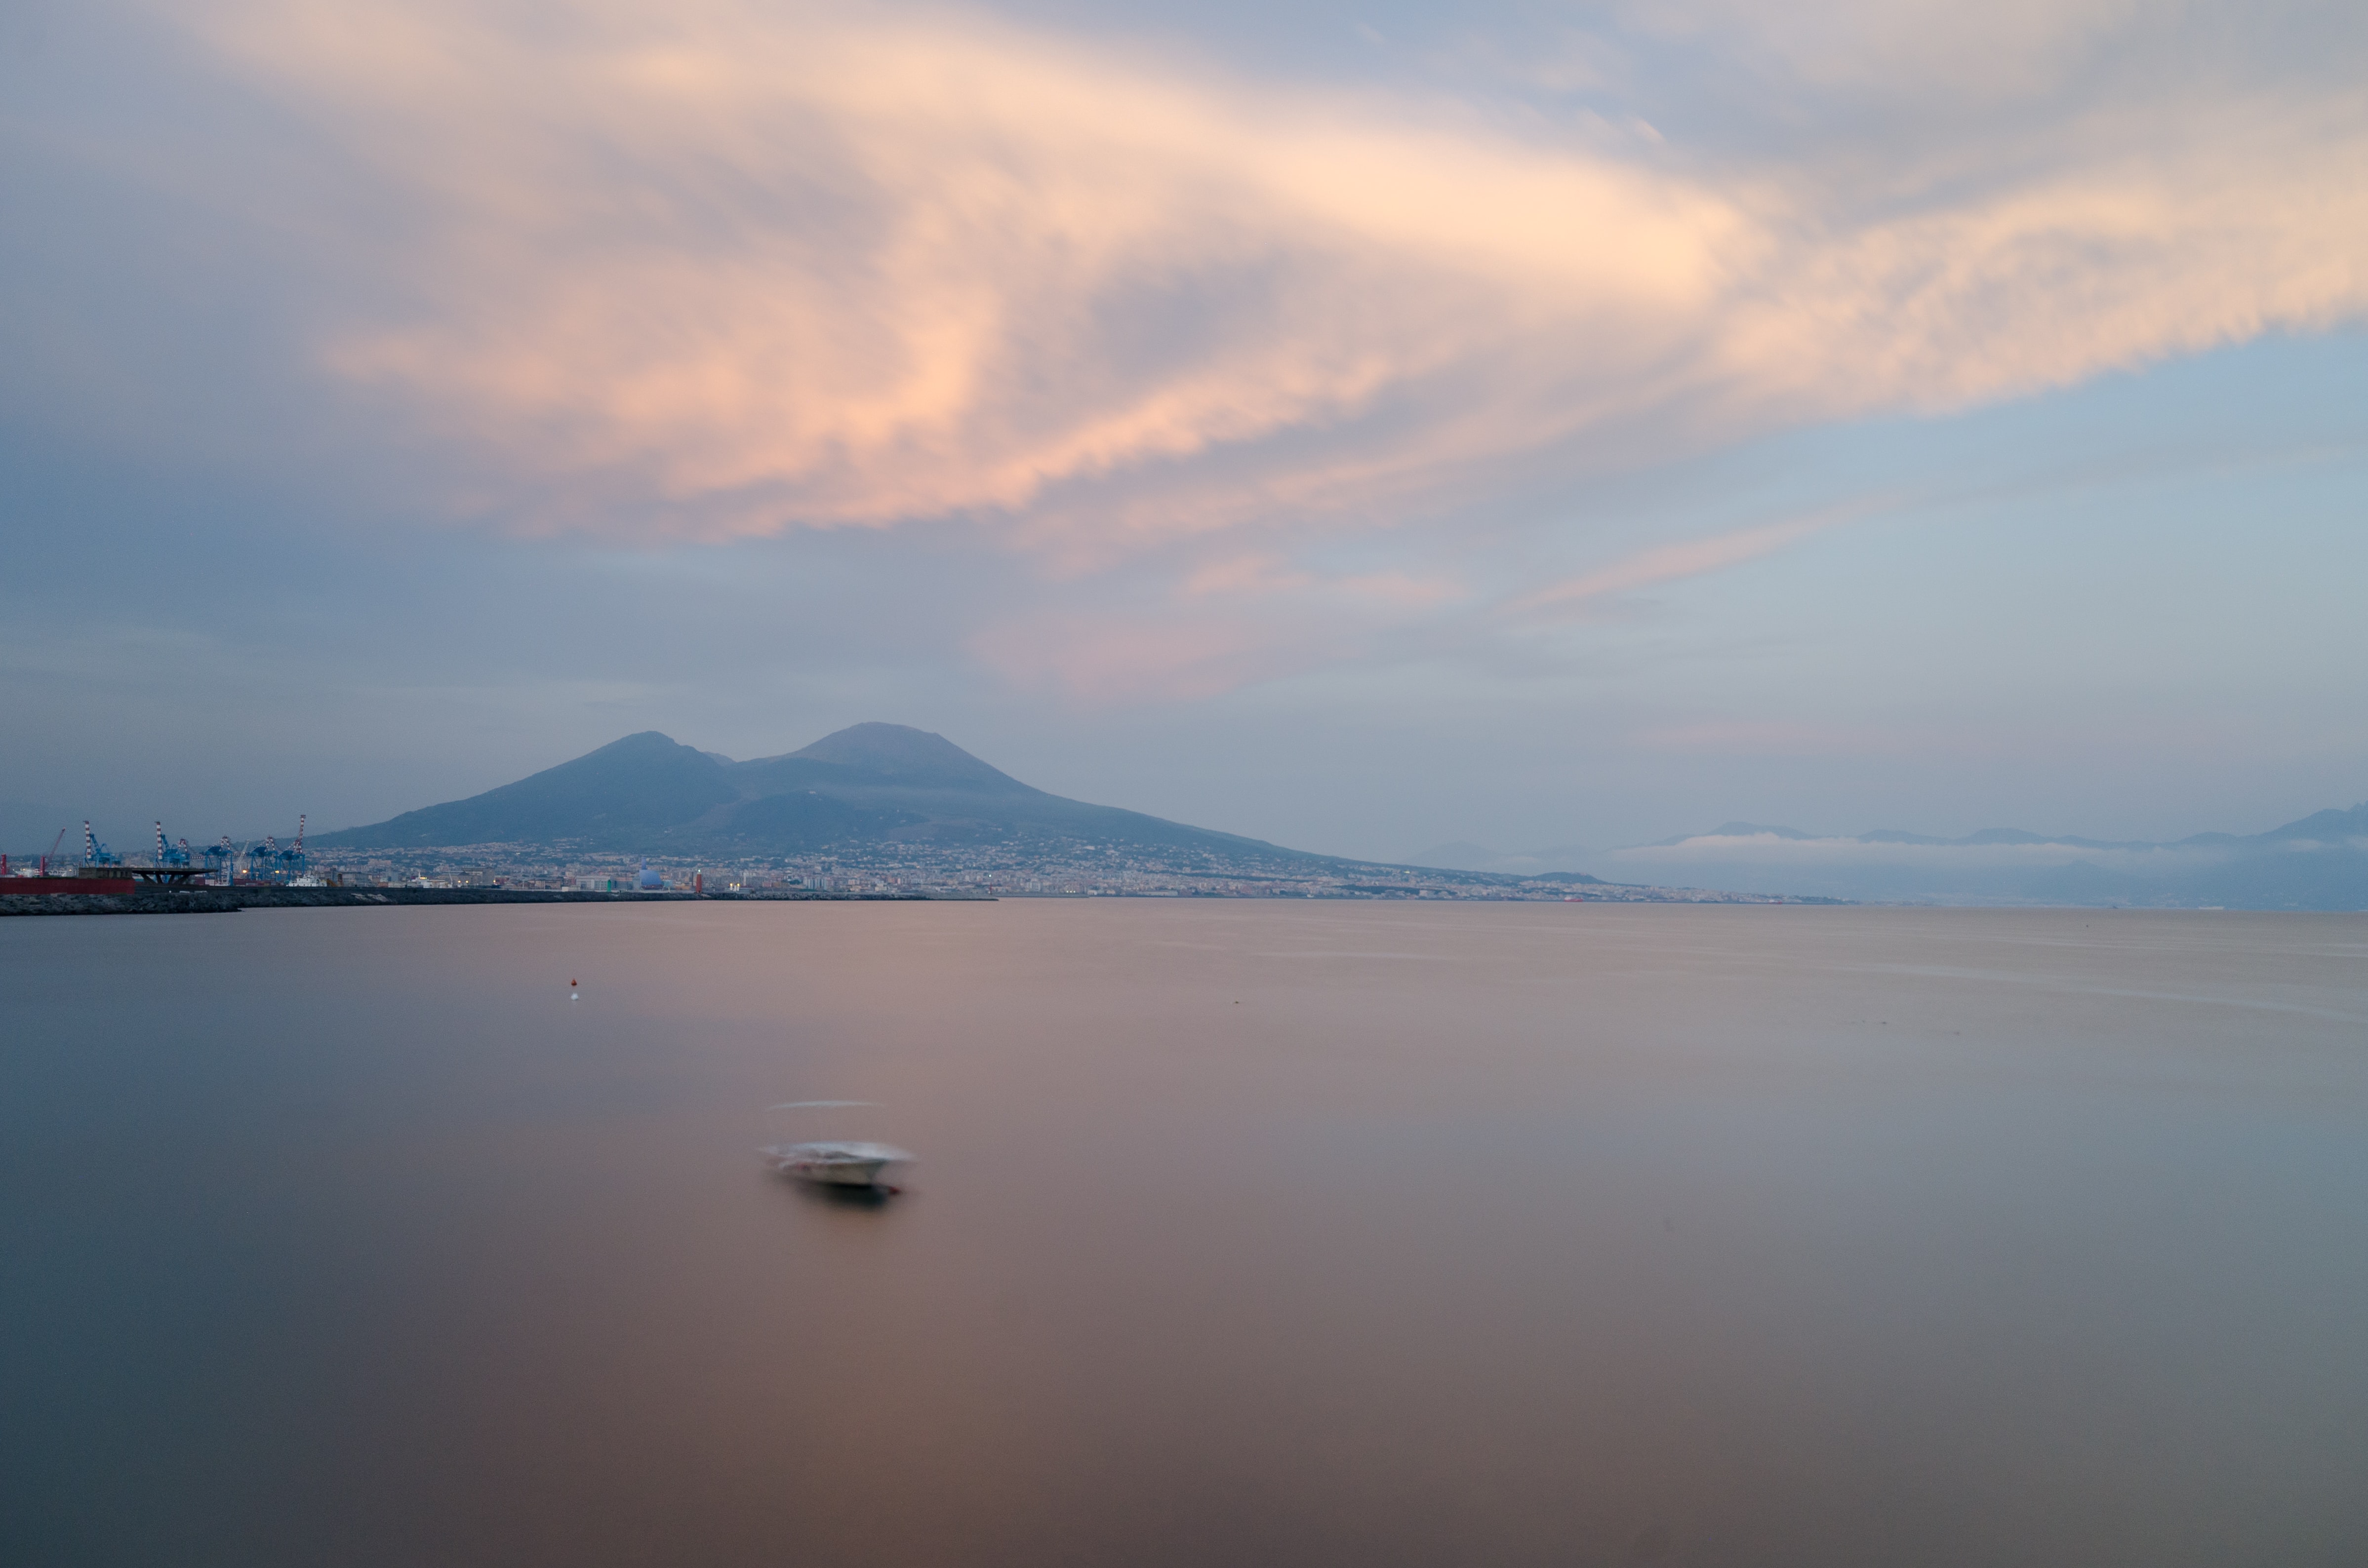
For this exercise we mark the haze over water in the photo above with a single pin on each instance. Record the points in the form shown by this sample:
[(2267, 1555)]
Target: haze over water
[(1243, 1232)]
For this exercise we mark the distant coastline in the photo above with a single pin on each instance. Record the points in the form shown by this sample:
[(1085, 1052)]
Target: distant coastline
[(875, 809), (230, 901)]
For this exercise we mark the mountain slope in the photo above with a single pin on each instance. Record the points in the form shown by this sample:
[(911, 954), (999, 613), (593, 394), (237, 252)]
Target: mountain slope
[(869, 782), (634, 787), (895, 754)]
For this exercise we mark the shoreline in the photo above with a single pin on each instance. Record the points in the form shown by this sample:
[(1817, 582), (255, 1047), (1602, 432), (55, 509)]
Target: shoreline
[(230, 901)]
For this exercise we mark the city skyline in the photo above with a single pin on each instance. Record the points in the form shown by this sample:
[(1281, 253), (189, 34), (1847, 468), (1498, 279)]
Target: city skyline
[(884, 808)]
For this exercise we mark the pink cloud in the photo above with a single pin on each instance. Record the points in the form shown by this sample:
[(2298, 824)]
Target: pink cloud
[(1266, 575), (1257, 574), (1674, 562), (1405, 590), (1100, 659), (714, 269)]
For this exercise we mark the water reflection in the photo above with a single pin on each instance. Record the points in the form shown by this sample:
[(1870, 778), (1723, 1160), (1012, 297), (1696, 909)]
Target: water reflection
[(1249, 1232), (872, 1199)]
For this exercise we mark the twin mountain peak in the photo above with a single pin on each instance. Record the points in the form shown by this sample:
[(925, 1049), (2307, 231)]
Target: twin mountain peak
[(649, 793)]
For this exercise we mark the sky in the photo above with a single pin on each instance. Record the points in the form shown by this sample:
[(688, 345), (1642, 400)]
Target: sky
[(1357, 426)]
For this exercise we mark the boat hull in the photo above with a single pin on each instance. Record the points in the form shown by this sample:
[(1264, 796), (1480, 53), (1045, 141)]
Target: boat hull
[(839, 1172), (55, 887), (837, 1164)]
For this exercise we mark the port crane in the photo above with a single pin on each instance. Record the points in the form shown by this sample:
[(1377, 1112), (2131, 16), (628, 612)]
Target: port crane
[(93, 853), (169, 854)]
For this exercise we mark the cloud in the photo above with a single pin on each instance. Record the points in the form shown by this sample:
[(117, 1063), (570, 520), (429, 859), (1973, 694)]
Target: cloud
[(760, 267), (1673, 562), (1097, 658), (1256, 574), (1405, 590), (2005, 49), (1723, 853), (1235, 622), (713, 269), (1265, 573)]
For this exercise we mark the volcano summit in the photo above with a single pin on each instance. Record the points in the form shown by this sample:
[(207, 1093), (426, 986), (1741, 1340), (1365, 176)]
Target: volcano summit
[(866, 784)]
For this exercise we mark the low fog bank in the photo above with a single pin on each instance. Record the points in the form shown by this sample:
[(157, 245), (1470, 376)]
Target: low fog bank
[(2320, 862)]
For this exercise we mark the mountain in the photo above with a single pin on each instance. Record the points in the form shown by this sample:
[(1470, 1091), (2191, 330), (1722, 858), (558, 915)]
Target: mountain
[(632, 787), (649, 793), (873, 783), (2320, 827), (2317, 862)]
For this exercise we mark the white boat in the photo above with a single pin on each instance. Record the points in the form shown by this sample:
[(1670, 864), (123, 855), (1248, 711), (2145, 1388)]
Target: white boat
[(832, 1162)]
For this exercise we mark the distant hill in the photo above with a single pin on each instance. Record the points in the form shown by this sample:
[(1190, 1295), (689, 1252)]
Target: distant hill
[(648, 793), (2317, 862)]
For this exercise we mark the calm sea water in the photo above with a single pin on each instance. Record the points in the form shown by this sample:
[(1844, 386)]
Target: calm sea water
[(1243, 1232)]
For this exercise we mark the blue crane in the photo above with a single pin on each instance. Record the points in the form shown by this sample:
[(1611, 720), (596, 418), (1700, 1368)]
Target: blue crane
[(93, 853)]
